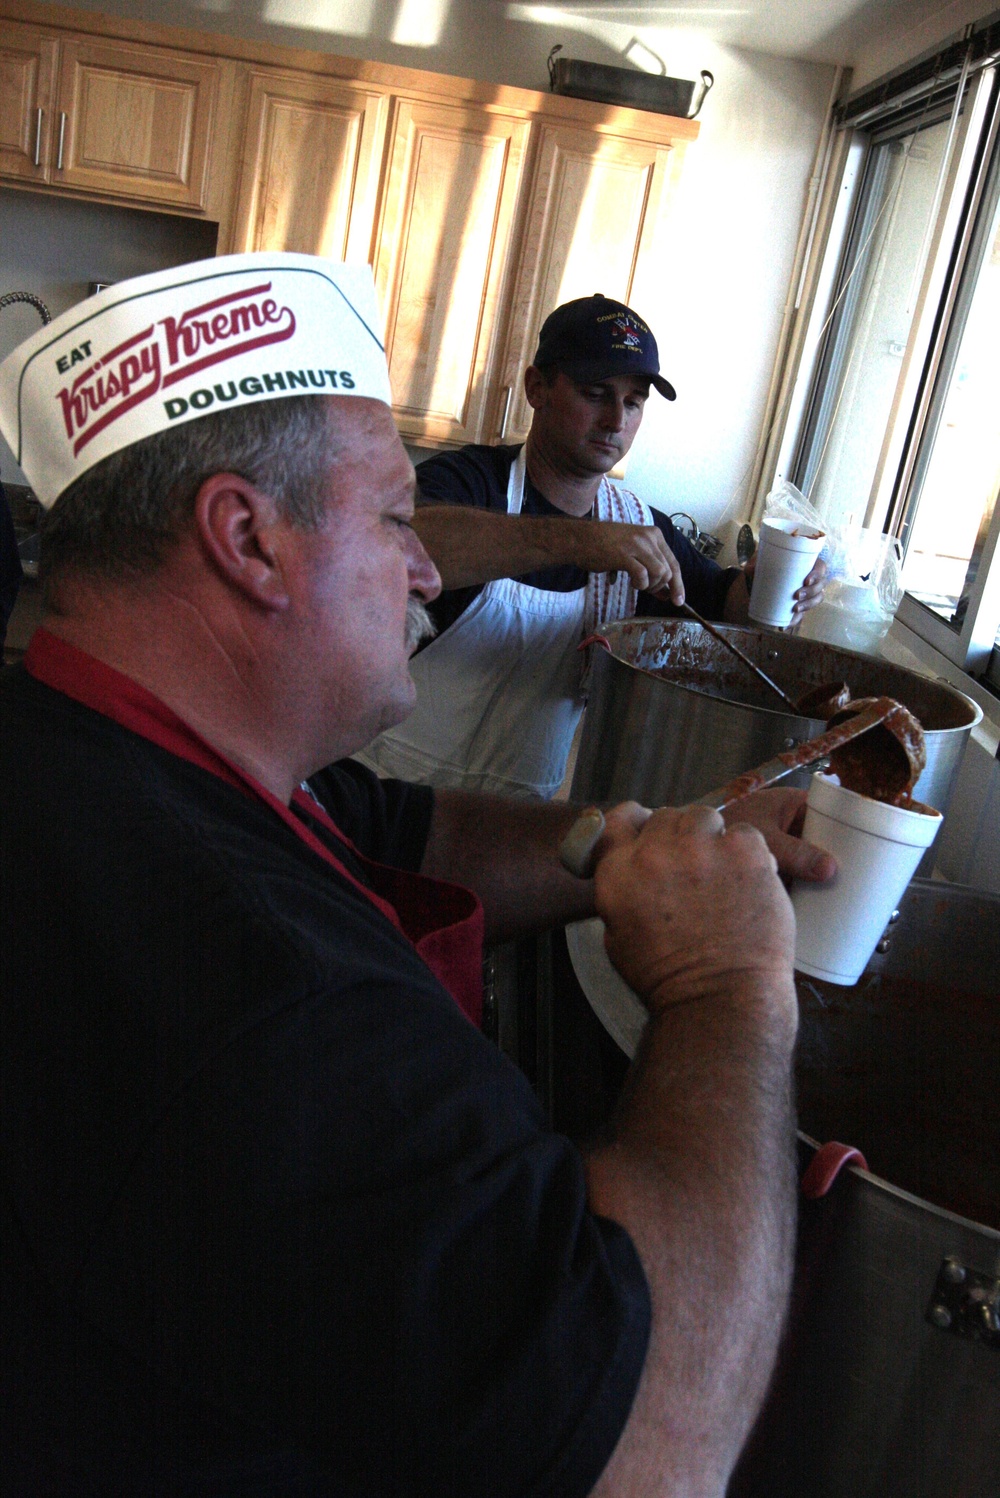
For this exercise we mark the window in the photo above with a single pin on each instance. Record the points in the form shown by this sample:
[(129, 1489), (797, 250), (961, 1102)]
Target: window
[(900, 425)]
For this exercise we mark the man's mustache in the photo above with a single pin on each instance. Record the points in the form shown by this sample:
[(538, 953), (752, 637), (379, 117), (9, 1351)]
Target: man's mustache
[(419, 624)]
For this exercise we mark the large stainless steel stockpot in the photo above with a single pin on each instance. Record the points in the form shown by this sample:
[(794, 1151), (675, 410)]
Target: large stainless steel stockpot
[(889, 1381), (673, 715)]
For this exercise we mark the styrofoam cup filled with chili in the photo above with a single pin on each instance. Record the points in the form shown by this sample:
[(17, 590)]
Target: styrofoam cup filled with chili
[(785, 557), (877, 846)]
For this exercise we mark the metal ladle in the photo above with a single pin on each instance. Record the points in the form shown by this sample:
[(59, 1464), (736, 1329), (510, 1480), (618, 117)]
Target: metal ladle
[(898, 752), (895, 755)]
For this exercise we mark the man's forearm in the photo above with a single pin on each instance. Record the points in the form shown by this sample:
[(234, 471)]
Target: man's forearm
[(699, 1169), (470, 546), (508, 852), (736, 609)]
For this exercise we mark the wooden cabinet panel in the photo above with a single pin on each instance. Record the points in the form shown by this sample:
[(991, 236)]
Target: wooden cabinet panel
[(423, 175), (445, 233), (135, 122), (593, 214), (311, 167), (27, 72)]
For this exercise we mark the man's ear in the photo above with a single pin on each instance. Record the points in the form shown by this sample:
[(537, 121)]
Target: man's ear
[(535, 386), (236, 526)]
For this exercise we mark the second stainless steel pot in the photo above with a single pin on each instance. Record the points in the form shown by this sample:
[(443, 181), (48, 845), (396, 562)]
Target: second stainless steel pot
[(672, 714)]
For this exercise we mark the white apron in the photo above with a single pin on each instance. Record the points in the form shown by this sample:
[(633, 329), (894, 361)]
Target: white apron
[(500, 692)]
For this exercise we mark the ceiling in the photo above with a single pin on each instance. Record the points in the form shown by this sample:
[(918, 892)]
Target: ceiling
[(816, 30)]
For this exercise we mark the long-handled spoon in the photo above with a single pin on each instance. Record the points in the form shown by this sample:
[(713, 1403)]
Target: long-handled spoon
[(735, 650), (895, 757), (892, 760)]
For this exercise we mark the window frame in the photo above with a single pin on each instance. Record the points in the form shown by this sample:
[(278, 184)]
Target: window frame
[(971, 172)]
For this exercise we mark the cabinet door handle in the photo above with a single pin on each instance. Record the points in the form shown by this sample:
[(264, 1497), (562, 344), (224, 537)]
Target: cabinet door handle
[(62, 138), (38, 136), (506, 412)]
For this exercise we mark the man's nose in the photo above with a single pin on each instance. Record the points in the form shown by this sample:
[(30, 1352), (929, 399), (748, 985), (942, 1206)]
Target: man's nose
[(425, 580), (614, 414)]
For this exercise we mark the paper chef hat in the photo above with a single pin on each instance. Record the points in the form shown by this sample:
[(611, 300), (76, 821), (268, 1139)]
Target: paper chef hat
[(148, 354)]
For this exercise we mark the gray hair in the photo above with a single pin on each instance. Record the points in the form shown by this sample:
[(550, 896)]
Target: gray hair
[(120, 517)]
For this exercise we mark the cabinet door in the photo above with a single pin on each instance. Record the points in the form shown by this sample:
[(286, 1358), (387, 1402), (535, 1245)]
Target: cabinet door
[(311, 166), (594, 214), (443, 249), (27, 74), (135, 122)]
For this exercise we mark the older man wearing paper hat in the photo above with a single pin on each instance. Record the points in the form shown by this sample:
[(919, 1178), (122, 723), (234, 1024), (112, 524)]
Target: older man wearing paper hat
[(278, 1217)]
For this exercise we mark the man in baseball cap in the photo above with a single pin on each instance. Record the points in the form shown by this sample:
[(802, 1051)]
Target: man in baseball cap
[(277, 1216), (528, 575), (593, 337)]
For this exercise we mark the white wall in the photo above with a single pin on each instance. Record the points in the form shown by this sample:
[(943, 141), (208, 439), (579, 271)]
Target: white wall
[(905, 39), (716, 303), (54, 247)]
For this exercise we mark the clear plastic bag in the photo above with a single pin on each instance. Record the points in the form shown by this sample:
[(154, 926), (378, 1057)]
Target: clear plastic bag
[(785, 502), (863, 589), (863, 592)]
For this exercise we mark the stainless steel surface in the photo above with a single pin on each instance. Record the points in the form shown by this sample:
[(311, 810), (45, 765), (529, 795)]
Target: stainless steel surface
[(746, 545), (62, 140), (38, 136), (876, 1396), (764, 775), (629, 86), (671, 715)]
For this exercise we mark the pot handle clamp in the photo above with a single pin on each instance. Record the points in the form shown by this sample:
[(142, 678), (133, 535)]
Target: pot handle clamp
[(826, 1165)]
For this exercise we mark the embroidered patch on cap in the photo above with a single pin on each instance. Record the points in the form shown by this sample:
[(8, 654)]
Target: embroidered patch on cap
[(151, 353)]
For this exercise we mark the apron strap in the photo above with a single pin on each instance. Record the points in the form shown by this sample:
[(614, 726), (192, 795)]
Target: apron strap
[(609, 601)]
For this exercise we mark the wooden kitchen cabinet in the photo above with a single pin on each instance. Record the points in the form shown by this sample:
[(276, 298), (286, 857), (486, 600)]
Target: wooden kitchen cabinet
[(27, 81), (594, 218), (480, 207), (448, 213), (135, 122), (311, 166)]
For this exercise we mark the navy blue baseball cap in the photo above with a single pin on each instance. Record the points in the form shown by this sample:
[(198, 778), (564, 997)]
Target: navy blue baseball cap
[(594, 337)]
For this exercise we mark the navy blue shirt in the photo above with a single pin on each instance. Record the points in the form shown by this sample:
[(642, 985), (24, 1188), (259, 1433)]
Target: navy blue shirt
[(10, 565), (477, 476), (277, 1219)]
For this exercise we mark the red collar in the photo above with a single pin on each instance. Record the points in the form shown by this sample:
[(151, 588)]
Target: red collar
[(69, 670)]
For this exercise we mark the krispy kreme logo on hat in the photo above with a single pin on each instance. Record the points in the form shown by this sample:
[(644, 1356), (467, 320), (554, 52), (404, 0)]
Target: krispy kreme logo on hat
[(148, 354), (166, 352)]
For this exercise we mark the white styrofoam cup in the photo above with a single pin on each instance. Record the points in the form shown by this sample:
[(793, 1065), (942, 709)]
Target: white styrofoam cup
[(784, 561), (877, 848)]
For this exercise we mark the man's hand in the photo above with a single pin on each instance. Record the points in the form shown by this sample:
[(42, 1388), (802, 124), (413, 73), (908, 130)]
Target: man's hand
[(810, 593), (698, 1161), (737, 605), (779, 814), (470, 547), (639, 550), (693, 910)]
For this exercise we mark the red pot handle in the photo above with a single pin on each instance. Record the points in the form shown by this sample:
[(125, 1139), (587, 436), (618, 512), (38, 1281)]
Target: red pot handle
[(826, 1165), (595, 640)]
